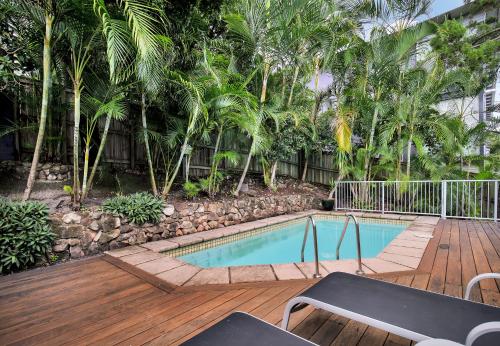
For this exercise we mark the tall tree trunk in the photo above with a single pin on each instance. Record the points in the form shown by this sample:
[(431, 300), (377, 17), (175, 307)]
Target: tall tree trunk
[(76, 143), (370, 143), (261, 105), (97, 158), (146, 144), (304, 172), (408, 154), (245, 170), (188, 163), (274, 167), (45, 104), (283, 87), (294, 81), (170, 182), (213, 168), (85, 167)]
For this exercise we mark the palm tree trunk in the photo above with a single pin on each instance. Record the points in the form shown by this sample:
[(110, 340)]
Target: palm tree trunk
[(85, 167), (245, 170), (146, 144), (97, 158), (294, 81), (170, 182), (370, 143), (188, 163), (273, 175), (262, 100), (76, 140), (213, 169), (45, 104), (304, 172), (408, 155)]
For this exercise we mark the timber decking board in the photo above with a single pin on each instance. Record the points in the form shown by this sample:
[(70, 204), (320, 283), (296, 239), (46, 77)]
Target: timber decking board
[(92, 301)]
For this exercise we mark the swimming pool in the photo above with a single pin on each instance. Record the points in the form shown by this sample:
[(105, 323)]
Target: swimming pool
[(283, 245)]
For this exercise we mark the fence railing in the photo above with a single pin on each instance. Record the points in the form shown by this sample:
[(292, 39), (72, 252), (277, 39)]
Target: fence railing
[(467, 199)]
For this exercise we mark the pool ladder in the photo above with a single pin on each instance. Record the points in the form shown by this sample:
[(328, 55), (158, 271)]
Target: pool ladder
[(310, 220), (358, 241)]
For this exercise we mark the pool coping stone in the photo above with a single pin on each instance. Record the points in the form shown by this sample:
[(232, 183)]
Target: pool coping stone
[(403, 253)]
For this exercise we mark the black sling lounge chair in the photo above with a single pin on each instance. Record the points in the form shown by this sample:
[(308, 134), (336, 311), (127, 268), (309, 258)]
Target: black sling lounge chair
[(242, 329), (411, 313)]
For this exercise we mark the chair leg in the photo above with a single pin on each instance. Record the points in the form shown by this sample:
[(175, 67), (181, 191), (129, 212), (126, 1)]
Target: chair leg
[(288, 310)]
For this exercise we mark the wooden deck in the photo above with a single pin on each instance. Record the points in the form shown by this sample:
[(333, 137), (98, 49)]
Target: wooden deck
[(94, 302)]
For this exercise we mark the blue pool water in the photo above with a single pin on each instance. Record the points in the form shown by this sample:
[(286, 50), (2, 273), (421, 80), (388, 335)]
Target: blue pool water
[(283, 245)]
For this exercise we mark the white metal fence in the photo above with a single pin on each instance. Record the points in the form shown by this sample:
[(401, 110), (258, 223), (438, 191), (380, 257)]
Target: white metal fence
[(467, 199)]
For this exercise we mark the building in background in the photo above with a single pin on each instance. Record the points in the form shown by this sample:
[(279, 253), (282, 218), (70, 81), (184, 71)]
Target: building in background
[(480, 108)]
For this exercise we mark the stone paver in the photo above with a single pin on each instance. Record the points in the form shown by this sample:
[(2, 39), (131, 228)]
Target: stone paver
[(431, 220), (160, 245), (287, 271), (405, 251), (187, 240), (423, 235), (408, 217), (308, 269), (409, 244), (420, 228), (210, 276), (141, 257), (251, 273), (180, 275), (232, 230), (407, 261), (160, 265), (129, 250), (391, 217), (372, 215), (210, 235), (411, 237), (380, 266), (347, 266)]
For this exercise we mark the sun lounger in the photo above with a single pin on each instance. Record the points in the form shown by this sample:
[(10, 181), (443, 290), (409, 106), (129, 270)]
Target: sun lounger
[(472, 338), (242, 329), (411, 313)]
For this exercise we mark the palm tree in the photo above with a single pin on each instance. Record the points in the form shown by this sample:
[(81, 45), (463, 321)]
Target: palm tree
[(134, 45), (189, 91), (82, 38), (105, 100), (253, 28), (44, 16)]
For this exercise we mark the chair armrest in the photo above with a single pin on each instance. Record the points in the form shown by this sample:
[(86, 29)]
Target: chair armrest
[(437, 342), (480, 330), (478, 278), (474, 334)]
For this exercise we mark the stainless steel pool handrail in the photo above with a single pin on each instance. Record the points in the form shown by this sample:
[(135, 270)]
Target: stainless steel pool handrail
[(310, 219), (358, 241)]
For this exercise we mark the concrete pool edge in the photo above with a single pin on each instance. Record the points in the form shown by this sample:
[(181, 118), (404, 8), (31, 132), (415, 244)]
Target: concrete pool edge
[(403, 253)]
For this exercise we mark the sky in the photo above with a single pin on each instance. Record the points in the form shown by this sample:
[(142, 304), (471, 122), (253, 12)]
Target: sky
[(438, 7)]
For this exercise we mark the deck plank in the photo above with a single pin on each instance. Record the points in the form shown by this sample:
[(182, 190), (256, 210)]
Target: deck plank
[(93, 301)]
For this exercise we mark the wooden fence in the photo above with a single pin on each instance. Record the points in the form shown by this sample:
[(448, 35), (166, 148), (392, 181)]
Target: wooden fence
[(124, 148)]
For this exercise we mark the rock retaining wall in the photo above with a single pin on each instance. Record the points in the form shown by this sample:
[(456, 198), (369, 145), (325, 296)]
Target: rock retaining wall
[(91, 232), (44, 171)]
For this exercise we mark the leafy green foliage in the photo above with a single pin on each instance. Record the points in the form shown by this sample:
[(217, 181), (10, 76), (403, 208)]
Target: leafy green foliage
[(191, 189), (25, 234), (139, 208)]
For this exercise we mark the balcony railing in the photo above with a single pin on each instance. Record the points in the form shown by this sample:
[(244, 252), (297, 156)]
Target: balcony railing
[(466, 199)]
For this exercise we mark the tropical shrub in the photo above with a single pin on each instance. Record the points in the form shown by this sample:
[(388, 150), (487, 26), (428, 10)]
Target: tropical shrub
[(25, 234), (139, 208), (191, 189)]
